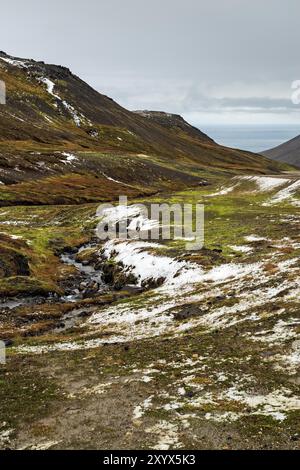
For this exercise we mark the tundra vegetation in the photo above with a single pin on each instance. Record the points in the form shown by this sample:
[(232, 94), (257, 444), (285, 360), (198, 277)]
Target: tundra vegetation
[(140, 344)]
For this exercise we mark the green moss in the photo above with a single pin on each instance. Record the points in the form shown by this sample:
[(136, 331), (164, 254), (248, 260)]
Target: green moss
[(25, 394), (26, 286)]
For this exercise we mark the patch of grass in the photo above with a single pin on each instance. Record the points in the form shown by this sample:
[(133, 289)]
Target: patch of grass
[(25, 393)]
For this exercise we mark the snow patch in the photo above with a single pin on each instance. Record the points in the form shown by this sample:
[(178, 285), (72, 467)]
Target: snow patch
[(140, 410), (286, 194), (5, 436), (76, 115), (266, 183), (254, 238), (241, 248), (17, 63), (275, 404), (167, 434), (116, 181), (69, 157), (145, 265), (223, 191)]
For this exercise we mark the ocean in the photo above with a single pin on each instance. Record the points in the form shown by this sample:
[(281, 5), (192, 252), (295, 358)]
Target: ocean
[(251, 137)]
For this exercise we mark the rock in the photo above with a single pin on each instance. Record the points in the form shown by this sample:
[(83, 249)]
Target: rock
[(187, 312), (83, 314), (220, 297), (98, 266), (153, 283), (91, 289), (108, 273), (120, 281)]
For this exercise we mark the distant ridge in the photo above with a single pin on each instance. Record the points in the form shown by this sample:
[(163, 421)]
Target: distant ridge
[(288, 152), (63, 142), (175, 123)]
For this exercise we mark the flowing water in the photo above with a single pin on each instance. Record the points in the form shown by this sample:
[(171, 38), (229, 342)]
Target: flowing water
[(89, 276)]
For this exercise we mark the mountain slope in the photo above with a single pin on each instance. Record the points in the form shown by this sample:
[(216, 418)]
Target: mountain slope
[(288, 152), (84, 147), (42, 97), (175, 123)]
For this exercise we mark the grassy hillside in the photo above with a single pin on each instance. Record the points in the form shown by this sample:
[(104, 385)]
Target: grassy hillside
[(288, 152), (212, 363), (56, 130)]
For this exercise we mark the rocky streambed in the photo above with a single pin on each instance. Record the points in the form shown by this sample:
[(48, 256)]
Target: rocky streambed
[(94, 280), (88, 278)]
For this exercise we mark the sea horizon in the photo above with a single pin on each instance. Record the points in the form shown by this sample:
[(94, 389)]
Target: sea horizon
[(251, 137)]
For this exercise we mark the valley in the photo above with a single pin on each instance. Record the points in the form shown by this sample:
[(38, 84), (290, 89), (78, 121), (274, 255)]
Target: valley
[(140, 344), (200, 353)]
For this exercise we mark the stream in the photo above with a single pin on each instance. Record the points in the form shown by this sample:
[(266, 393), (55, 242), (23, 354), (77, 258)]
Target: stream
[(89, 283), (90, 278)]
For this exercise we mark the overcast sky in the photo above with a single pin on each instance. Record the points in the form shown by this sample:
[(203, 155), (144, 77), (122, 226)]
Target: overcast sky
[(214, 61)]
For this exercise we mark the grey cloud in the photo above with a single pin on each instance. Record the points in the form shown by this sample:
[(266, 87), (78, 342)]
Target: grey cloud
[(165, 54)]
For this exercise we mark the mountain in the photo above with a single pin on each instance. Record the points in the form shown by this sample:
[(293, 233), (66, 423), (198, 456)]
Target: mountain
[(175, 123), (63, 142), (288, 152)]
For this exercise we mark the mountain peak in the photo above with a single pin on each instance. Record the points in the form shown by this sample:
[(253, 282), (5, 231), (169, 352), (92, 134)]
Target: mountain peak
[(174, 122)]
